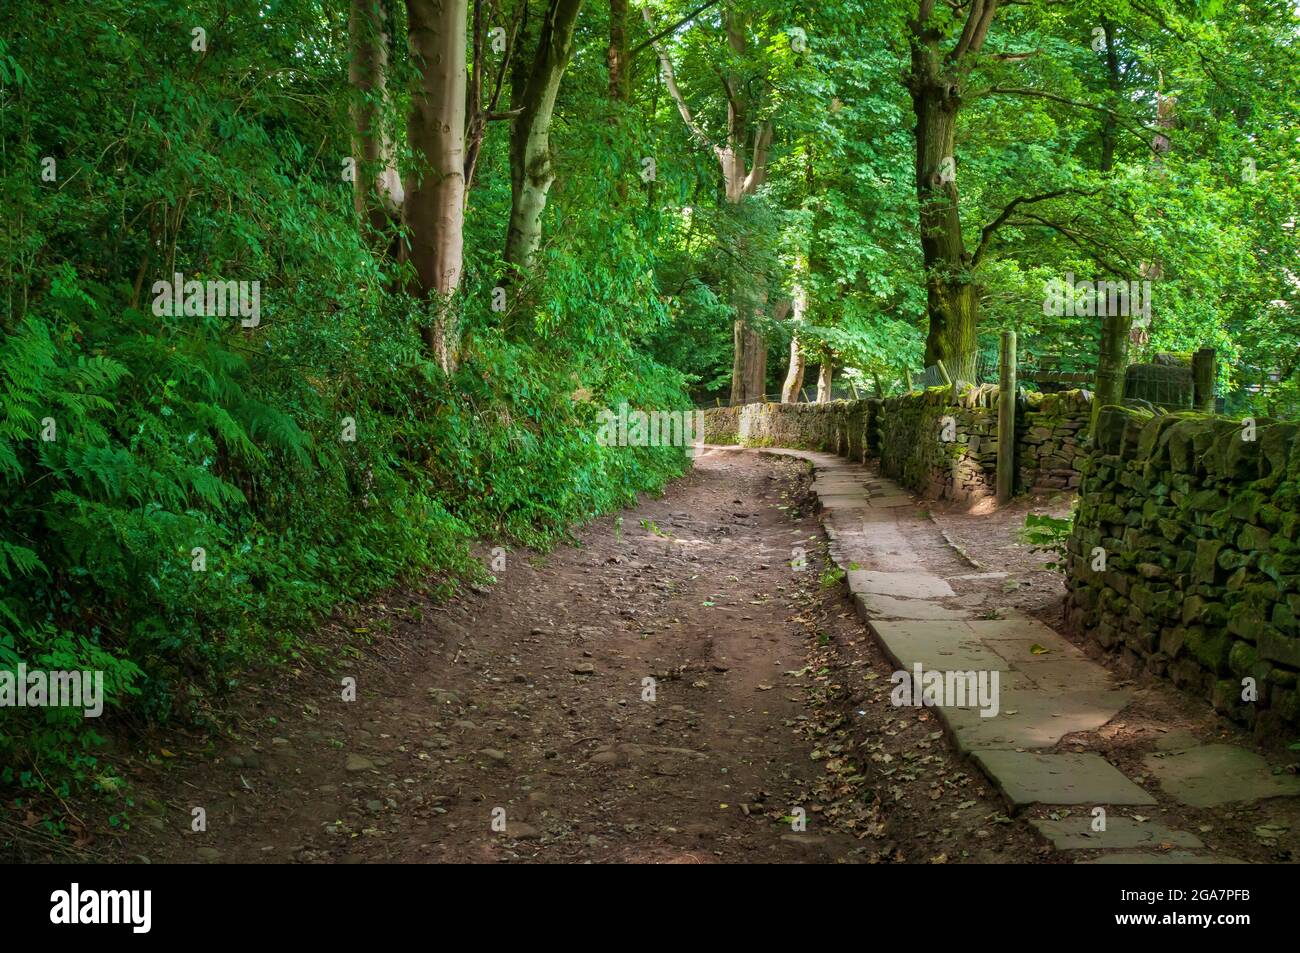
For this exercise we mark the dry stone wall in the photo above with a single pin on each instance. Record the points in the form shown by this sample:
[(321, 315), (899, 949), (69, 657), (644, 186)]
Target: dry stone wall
[(846, 427), (1184, 557), (942, 451), (908, 434), (1050, 430), (914, 451)]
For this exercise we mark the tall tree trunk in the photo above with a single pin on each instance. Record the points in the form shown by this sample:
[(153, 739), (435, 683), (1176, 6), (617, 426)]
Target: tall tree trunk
[(435, 203), (952, 299), (1109, 127), (824, 381), (794, 375), (748, 364), (751, 346), (376, 186), (1111, 364), (1112, 358), (749, 361), (531, 172), (935, 83), (616, 54)]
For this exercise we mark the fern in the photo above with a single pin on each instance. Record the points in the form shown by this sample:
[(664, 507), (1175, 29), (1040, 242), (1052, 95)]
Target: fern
[(19, 560)]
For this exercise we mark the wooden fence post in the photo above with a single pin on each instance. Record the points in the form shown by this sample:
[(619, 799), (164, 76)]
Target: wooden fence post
[(1007, 419), (1204, 372), (947, 380)]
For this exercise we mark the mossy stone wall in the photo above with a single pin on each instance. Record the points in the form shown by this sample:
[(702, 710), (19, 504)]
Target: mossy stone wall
[(908, 434), (1184, 558)]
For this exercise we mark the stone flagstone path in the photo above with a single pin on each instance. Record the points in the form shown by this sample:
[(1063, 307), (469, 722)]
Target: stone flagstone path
[(1048, 687)]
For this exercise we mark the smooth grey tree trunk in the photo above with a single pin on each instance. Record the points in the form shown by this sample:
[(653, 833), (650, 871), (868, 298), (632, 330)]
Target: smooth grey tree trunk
[(435, 202), (531, 171)]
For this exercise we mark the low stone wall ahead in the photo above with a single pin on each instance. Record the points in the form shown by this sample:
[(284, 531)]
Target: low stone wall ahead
[(1200, 581), (941, 451), (1049, 439), (914, 451), (908, 433), (846, 427)]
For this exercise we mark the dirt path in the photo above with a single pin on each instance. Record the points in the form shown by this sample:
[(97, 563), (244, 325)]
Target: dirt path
[(528, 702)]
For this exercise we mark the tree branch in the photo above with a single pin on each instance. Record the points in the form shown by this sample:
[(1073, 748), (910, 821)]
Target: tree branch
[(672, 29), (1128, 121), (986, 235), (758, 168), (1070, 235), (976, 29), (670, 80)]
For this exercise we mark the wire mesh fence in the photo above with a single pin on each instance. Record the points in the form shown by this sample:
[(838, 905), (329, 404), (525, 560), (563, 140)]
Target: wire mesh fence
[(1056, 371), (985, 371), (1168, 387)]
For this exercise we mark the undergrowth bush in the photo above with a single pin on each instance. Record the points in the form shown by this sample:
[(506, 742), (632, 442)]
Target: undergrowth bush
[(169, 439), (1044, 533)]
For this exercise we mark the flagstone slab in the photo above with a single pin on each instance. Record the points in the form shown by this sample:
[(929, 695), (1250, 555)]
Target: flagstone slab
[(877, 606), (888, 538), (888, 502), (844, 501), (904, 585), (1025, 777), (1076, 833), (1209, 775), (852, 546), (838, 490), (1032, 651), (887, 546), (869, 519), (1029, 717), (1062, 675), (941, 646), (1016, 627), (839, 485)]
